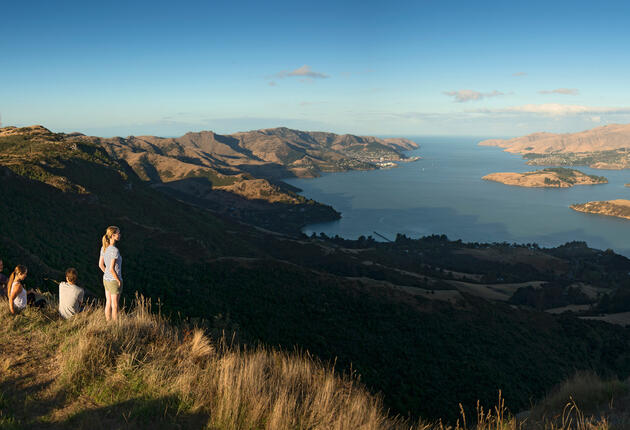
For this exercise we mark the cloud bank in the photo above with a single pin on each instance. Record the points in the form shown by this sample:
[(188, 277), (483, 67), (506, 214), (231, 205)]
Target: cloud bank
[(564, 91), (302, 72), (463, 96), (556, 109)]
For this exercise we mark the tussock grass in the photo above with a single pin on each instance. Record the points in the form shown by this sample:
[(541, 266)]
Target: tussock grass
[(585, 390), (584, 402), (143, 356), (499, 418), (143, 372)]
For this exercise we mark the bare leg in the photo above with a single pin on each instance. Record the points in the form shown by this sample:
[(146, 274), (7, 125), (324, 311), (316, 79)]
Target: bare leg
[(108, 305), (114, 301)]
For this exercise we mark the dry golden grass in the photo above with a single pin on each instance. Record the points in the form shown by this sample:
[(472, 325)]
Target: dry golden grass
[(574, 403), (235, 389), (142, 372), (499, 418)]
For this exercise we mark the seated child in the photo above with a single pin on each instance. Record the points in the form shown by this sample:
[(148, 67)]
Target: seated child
[(70, 295)]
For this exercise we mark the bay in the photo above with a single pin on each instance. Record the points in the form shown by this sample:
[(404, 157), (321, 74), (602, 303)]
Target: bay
[(443, 193)]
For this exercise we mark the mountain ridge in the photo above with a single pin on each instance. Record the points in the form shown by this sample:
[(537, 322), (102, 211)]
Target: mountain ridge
[(604, 138), (241, 174), (606, 147)]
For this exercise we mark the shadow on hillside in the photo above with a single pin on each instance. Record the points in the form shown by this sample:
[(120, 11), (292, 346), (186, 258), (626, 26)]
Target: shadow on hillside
[(93, 176), (19, 396), (234, 144), (137, 413), (150, 170), (277, 216), (271, 171)]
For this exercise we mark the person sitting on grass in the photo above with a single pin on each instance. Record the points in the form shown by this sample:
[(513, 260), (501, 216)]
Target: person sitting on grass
[(70, 295), (17, 291), (3, 280)]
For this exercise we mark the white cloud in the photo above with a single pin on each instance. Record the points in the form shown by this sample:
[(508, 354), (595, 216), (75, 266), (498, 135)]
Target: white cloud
[(311, 103), (519, 74), (556, 109), (303, 72), (553, 109), (463, 96), (564, 91)]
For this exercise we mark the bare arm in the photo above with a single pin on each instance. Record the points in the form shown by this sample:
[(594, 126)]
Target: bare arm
[(113, 272), (13, 295), (101, 263)]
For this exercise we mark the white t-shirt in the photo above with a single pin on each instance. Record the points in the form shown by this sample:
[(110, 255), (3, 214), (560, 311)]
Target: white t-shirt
[(70, 298), (112, 256)]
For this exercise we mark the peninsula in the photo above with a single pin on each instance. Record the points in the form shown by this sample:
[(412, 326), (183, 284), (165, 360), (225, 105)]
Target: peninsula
[(547, 178), (239, 175), (619, 208), (606, 147)]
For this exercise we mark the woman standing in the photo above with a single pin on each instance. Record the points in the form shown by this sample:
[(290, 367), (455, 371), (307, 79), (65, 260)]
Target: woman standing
[(16, 290), (110, 263)]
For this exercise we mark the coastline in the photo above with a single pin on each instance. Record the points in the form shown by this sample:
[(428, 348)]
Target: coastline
[(443, 194)]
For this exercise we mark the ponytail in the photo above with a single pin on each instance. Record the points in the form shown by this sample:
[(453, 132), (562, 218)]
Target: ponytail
[(19, 269), (107, 237)]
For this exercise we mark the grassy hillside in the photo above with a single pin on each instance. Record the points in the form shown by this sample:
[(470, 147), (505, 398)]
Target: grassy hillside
[(424, 355), (143, 372)]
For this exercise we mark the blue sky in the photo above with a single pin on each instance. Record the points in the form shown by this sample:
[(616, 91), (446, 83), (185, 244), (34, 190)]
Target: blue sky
[(409, 68)]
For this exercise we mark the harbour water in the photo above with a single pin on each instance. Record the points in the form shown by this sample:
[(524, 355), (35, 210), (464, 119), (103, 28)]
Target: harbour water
[(443, 193)]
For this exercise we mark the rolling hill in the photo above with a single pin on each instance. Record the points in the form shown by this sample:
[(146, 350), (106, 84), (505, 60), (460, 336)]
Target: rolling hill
[(420, 320), (604, 147)]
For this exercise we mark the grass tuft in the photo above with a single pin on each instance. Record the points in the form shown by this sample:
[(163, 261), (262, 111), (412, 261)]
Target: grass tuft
[(143, 371)]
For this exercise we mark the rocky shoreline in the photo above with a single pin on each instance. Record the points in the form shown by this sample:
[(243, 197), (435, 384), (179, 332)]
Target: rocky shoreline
[(619, 208)]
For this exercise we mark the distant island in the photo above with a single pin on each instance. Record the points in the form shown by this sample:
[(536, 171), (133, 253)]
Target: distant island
[(558, 177), (606, 147), (619, 208)]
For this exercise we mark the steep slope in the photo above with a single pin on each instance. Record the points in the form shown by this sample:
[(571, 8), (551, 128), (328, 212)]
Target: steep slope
[(606, 138), (184, 170), (281, 152), (308, 153), (368, 306), (240, 174), (147, 373), (604, 147)]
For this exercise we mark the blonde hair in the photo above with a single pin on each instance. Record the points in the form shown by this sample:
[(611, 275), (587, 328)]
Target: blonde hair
[(20, 269), (107, 237)]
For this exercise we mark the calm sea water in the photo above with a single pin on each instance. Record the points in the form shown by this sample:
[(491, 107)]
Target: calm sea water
[(443, 194)]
